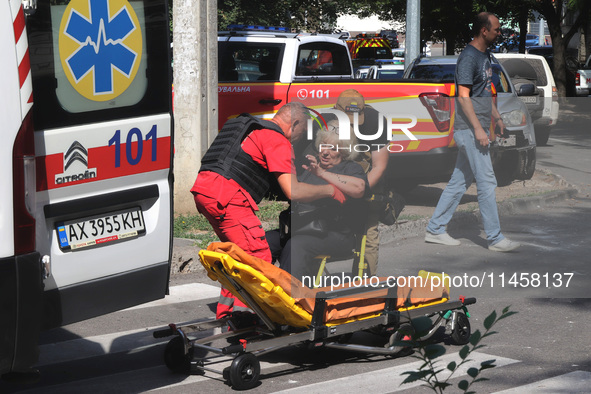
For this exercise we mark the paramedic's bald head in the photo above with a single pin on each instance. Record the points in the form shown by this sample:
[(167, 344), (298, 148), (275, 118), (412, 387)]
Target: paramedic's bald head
[(292, 118)]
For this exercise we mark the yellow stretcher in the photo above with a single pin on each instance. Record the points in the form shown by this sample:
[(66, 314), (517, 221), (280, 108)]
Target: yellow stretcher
[(292, 314)]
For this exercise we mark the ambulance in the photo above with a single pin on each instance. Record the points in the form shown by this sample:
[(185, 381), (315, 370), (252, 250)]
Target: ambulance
[(86, 164)]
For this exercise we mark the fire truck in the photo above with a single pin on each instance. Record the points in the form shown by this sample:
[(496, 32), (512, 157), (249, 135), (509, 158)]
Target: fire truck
[(260, 70), (86, 161), (369, 47)]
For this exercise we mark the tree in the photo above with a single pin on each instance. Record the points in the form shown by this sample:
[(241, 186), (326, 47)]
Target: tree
[(554, 13), (300, 15), (449, 20)]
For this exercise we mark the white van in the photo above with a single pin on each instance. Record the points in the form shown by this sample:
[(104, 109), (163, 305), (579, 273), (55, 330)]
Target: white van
[(546, 85), (86, 164)]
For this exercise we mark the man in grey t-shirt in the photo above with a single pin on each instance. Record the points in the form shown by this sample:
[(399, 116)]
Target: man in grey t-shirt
[(474, 69), (474, 110)]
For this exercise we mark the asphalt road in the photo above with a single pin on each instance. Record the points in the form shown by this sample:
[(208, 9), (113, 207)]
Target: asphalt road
[(545, 346)]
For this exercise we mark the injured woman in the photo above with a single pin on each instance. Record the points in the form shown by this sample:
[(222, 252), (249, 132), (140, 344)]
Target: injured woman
[(327, 226)]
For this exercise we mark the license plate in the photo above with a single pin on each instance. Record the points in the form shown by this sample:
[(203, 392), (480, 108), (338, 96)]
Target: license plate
[(529, 99), (100, 229), (509, 141)]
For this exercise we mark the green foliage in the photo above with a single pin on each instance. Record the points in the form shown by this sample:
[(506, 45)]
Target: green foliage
[(300, 15), (194, 227), (198, 228), (269, 211), (430, 371)]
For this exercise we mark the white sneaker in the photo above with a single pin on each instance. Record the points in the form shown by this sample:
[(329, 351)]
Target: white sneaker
[(504, 245), (441, 239)]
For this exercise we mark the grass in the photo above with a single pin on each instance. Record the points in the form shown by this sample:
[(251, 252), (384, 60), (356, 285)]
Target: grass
[(194, 227), (411, 217), (198, 228)]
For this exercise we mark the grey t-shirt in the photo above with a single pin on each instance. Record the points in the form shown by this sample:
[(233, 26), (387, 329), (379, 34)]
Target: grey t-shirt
[(474, 68)]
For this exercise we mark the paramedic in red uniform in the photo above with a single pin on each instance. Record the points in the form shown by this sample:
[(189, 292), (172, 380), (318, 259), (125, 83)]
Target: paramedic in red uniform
[(247, 156)]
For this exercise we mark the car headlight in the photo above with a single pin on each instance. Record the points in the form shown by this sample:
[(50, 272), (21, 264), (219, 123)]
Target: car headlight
[(514, 118)]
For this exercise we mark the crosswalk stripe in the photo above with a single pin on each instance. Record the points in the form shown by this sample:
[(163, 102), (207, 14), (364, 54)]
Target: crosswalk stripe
[(384, 380), (99, 345), (209, 375), (136, 381), (390, 380), (572, 382), (183, 293)]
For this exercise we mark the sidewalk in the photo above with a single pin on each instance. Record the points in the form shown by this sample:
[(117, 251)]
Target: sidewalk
[(544, 188)]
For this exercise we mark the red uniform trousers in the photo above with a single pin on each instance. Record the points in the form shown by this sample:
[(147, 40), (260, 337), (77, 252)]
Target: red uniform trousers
[(237, 223)]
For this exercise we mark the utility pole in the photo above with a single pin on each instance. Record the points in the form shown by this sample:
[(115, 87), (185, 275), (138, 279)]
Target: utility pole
[(413, 31), (195, 92)]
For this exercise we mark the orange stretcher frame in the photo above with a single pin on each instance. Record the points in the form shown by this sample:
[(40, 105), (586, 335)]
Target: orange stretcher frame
[(291, 314)]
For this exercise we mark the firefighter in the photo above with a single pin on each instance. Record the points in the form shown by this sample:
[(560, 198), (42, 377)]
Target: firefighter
[(244, 160), (374, 162)]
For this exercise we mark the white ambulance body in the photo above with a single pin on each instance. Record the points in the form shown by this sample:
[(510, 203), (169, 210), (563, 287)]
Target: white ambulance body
[(85, 164)]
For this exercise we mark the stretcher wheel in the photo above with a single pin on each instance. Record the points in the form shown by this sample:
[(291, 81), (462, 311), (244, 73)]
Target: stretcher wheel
[(461, 332), (244, 372), (175, 358), (405, 330)]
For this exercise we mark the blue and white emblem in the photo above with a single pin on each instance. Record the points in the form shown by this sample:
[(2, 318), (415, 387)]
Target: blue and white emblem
[(100, 45)]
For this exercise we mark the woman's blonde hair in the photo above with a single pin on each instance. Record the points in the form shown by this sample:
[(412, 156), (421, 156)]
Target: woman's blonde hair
[(330, 135)]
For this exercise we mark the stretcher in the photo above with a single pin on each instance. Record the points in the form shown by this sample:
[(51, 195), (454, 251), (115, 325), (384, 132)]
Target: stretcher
[(288, 313)]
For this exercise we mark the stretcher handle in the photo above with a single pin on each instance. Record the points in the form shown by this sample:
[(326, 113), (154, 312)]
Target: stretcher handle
[(163, 333), (171, 330)]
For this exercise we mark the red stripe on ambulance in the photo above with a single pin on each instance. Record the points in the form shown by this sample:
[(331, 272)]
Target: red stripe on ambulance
[(103, 161)]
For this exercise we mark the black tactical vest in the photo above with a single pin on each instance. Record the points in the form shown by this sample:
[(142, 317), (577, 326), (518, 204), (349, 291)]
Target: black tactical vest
[(226, 157)]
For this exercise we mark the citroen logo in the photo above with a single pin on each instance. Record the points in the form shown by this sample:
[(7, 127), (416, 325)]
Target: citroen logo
[(76, 152)]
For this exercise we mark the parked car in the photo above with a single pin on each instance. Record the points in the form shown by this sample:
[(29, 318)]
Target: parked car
[(570, 59), (583, 79), (392, 36), (513, 155), (532, 40), (385, 71), (510, 43), (535, 69), (398, 54), (361, 72)]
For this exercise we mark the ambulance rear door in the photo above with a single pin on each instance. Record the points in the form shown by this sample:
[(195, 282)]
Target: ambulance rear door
[(103, 144)]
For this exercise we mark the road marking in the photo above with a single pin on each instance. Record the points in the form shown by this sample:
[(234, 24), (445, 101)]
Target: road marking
[(77, 349), (562, 141), (224, 362), (390, 380), (123, 341), (572, 382), (385, 380), (136, 381), (183, 293)]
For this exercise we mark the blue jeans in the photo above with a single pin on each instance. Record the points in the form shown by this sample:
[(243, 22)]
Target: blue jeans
[(473, 163)]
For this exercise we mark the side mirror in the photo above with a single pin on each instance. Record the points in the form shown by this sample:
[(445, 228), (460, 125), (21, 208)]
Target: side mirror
[(528, 89)]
